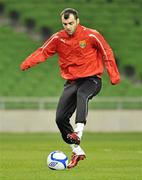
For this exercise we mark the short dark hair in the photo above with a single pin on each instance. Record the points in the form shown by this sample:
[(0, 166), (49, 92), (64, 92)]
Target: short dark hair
[(66, 13)]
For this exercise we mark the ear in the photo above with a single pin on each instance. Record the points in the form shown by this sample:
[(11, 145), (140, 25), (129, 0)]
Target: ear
[(78, 21)]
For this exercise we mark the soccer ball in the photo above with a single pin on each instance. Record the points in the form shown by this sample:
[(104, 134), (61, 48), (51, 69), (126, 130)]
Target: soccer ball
[(57, 160)]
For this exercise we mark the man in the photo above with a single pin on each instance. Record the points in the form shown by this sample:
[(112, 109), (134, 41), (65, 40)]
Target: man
[(82, 52)]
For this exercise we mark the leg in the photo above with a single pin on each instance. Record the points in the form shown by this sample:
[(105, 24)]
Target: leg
[(88, 88), (65, 109)]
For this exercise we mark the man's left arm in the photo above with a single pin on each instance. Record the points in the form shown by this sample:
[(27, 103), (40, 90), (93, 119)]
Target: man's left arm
[(108, 57)]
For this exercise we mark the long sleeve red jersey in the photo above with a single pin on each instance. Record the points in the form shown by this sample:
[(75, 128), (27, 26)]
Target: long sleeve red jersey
[(80, 55)]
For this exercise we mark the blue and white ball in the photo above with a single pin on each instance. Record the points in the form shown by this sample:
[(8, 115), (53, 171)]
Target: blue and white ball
[(57, 160)]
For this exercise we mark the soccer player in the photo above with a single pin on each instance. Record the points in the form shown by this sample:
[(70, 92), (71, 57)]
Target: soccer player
[(82, 52)]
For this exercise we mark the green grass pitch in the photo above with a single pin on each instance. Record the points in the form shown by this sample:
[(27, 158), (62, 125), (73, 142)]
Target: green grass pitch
[(110, 156)]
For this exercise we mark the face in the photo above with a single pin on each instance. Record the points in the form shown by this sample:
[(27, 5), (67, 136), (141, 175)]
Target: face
[(70, 24)]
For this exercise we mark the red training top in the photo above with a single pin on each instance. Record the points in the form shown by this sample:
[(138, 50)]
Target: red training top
[(80, 55)]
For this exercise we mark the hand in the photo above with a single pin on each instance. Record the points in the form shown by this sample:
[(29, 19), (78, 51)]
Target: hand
[(115, 82), (24, 66)]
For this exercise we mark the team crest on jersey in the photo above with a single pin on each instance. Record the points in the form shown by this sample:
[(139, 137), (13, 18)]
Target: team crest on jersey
[(82, 43)]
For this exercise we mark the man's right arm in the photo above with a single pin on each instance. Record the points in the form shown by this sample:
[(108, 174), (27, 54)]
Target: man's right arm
[(41, 54)]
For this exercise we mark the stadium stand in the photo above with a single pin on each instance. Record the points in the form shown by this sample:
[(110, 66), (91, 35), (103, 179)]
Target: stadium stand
[(118, 20)]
